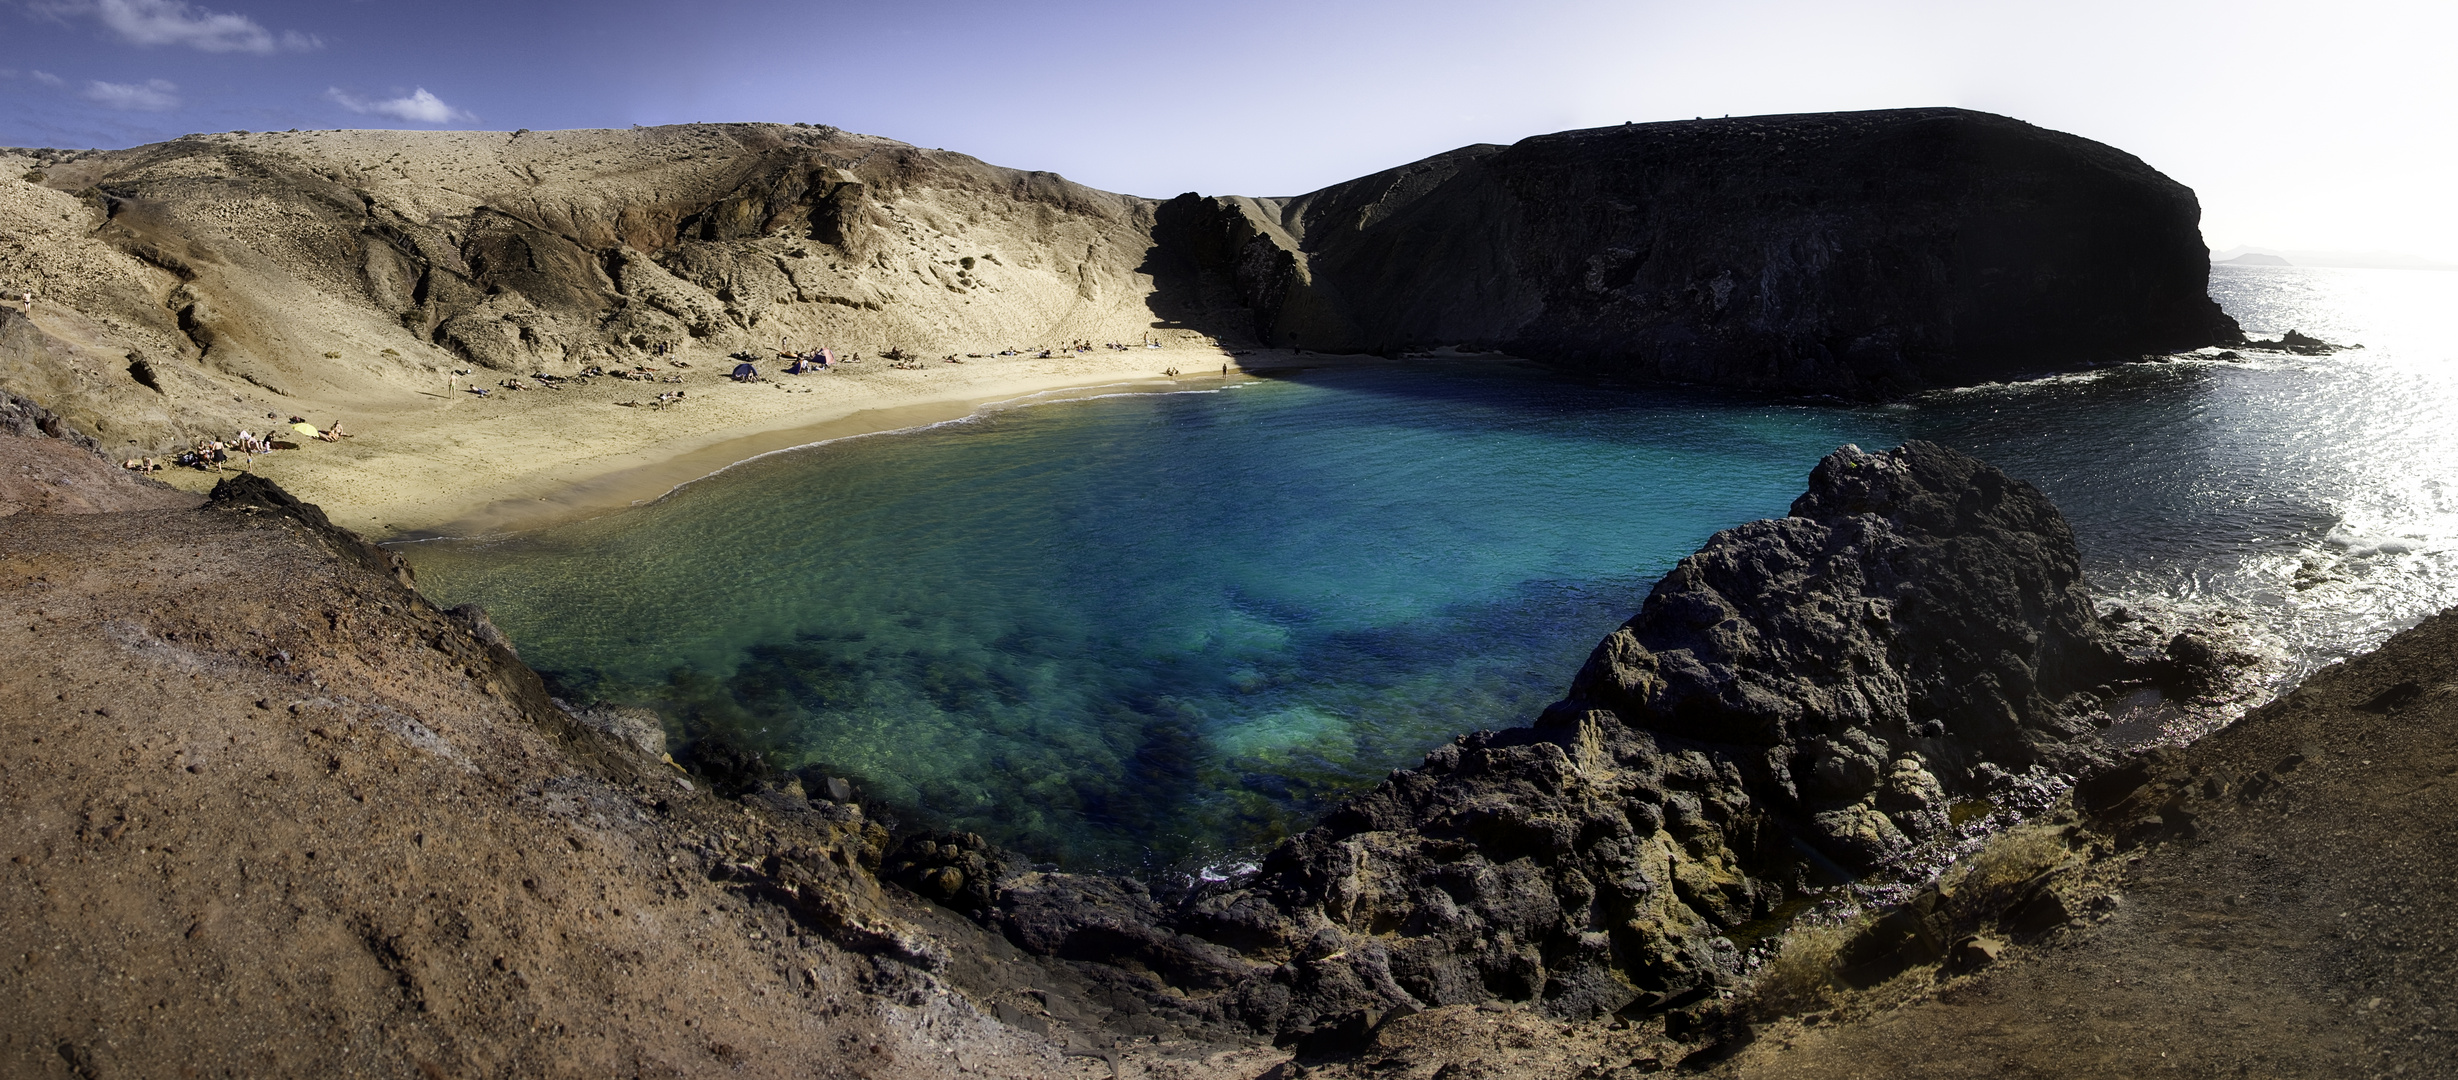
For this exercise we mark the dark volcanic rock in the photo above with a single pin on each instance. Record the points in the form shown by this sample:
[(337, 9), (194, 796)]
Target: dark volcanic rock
[(21, 417), (2302, 344), (1798, 701), (1857, 254), (1918, 605)]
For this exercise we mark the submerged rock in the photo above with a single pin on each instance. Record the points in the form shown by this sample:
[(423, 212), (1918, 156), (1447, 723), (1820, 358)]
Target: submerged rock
[(2297, 342), (1799, 701)]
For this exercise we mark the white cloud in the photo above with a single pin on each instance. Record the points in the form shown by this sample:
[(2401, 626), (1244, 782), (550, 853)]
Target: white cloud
[(46, 78), (174, 22), (154, 95), (420, 107)]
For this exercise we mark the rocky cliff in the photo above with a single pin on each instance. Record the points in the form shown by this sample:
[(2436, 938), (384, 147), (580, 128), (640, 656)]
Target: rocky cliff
[(296, 269), (192, 285), (1797, 704), (1856, 254)]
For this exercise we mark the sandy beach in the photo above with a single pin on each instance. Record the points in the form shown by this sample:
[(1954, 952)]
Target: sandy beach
[(459, 464)]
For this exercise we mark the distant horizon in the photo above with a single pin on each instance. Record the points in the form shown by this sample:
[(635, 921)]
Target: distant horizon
[(1279, 96)]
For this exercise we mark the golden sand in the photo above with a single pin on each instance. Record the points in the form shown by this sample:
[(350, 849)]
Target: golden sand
[(465, 465)]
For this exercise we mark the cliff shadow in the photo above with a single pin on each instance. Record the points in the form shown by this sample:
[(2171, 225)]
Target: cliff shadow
[(1192, 262)]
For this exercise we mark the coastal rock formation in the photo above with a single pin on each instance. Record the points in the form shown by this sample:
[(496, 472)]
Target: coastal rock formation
[(2297, 342), (190, 287), (48, 467), (1861, 255), (2225, 899), (2270, 900), (238, 734), (1798, 702)]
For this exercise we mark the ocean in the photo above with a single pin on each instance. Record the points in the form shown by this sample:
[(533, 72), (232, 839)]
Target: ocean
[(1162, 630)]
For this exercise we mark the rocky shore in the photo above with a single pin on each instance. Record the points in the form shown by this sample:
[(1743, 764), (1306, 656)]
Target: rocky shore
[(1798, 706), (241, 734)]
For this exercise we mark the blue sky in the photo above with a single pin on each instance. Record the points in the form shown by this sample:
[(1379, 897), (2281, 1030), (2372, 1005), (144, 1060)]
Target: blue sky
[(2302, 125)]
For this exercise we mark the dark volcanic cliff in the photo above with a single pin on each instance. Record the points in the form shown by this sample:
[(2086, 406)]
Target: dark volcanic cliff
[(1856, 254)]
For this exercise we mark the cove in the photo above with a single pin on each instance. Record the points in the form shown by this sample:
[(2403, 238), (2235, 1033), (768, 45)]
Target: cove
[(1150, 630), (1161, 631)]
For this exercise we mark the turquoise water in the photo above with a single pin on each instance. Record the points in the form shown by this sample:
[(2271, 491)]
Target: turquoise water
[(1163, 630)]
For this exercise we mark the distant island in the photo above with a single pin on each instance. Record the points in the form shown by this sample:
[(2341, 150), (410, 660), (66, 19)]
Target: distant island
[(2245, 255)]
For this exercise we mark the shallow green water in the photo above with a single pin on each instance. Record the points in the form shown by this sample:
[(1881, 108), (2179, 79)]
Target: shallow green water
[(1157, 627)]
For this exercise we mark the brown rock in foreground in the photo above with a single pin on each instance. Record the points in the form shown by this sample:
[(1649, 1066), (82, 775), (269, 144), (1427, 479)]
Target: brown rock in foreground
[(2276, 900), (271, 813), (45, 468)]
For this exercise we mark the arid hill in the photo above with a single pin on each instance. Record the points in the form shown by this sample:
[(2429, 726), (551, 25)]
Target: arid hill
[(192, 286)]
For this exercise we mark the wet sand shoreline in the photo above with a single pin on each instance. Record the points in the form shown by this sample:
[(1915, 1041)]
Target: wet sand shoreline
[(457, 464)]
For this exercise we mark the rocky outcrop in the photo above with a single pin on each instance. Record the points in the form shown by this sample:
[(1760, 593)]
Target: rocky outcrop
[(2297, 342), (1796, 704), (185, 282), (339, 831), (48, 467), (1861, 255)]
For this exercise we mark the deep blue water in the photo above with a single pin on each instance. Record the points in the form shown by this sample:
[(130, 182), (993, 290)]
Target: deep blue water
[(1166, 629)]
